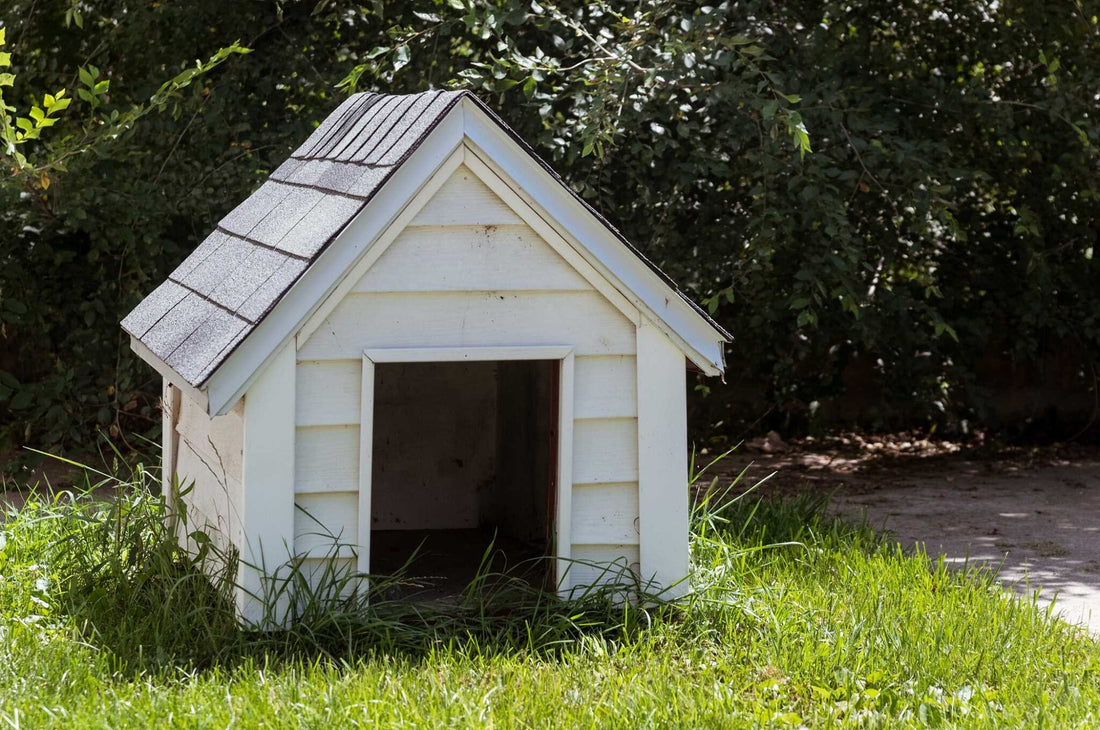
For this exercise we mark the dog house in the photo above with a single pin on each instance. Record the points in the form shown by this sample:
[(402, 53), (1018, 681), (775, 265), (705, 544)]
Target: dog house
[(415, 336)]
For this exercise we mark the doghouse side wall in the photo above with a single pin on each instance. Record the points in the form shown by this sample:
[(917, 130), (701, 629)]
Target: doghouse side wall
[(207, 456), (468, 272)]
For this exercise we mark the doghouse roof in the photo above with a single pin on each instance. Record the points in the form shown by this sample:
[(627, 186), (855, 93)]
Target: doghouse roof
[(216, 312)]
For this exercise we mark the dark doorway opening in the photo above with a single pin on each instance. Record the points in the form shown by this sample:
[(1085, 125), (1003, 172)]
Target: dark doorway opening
[(464, 457)]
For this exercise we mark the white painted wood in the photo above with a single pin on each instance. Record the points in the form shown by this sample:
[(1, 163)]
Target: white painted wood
[(471, 319), (170, 413), (605, 513), (471, 258), (606, 387), (326, 459), (663, 461), (208, 455), (544, 229), (701, 342), (328, 392), (375, 248), (366, 460), (468, 354), (563, 527), (387, 214), (220, 440), (605, 451), (603, 564), (207, 504), (318, 571), (268, 503), (326, 525), (465, 200)]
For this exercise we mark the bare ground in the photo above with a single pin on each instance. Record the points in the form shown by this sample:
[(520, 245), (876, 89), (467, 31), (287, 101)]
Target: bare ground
[(1031, 515)]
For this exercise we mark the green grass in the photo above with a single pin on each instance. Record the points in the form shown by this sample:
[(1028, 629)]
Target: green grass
[(797, 619)]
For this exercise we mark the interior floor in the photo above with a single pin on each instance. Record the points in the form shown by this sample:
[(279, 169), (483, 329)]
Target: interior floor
[(446, 561)]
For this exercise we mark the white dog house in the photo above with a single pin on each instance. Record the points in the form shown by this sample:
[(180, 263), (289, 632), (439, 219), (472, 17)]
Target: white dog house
[(414, 331)]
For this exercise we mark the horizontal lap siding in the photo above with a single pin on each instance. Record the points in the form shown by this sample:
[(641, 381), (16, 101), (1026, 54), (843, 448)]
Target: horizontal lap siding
[(602, 564), (326, 459), (465, 200), (326, 525), (605, 450), (328, 392), (605, 513), (470, 319), (605, 387), (469, 273), (471, 258)]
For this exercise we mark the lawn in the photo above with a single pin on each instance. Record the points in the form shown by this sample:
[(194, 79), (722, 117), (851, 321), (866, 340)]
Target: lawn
[(797, 619)]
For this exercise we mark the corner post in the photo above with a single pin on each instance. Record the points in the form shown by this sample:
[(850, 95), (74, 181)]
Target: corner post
[(268, 500), (662, 463)]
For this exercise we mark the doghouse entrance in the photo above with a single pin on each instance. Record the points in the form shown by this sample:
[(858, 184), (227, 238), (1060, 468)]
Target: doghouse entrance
[(464, 457)]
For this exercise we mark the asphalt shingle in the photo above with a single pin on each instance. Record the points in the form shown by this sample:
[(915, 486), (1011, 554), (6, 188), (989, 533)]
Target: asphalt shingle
[(264, 298), (319, 225), (246, 215), (274, 226), (153, 307), (249, 276), (200, 347), (205, 278), (173, 328)]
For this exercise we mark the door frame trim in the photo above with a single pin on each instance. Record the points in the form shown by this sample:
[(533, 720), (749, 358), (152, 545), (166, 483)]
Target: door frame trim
[(563, 483)]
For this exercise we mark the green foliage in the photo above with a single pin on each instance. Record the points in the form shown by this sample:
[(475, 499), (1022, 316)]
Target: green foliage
[(944, 224), (897, 204), (834, 628)]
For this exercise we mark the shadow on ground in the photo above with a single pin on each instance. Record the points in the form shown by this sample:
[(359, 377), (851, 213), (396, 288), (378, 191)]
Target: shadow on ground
[(1030, 515)]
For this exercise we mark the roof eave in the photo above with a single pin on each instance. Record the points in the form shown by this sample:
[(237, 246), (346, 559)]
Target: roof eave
[(196, 394)]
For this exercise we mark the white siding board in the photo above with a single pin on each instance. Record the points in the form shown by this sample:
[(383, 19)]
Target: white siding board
[(471, 319), (464, 199), (470, 258), (209, 506), (602, 564), (605, 513), (326, 524), (209, 461), (326, 459), (328, 393), (605, 451), (330, 573), (220, 439), (606, 387)]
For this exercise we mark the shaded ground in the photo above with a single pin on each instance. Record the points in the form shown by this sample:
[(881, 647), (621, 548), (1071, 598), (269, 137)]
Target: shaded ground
[(1031, 515)]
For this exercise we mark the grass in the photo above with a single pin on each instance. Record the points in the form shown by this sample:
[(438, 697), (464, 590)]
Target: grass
[(797, 619)]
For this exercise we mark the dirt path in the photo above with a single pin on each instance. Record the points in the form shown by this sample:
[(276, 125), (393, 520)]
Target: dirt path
[(1033, 516)]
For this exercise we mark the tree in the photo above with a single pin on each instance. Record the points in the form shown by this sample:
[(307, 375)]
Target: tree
[(906, 192)]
